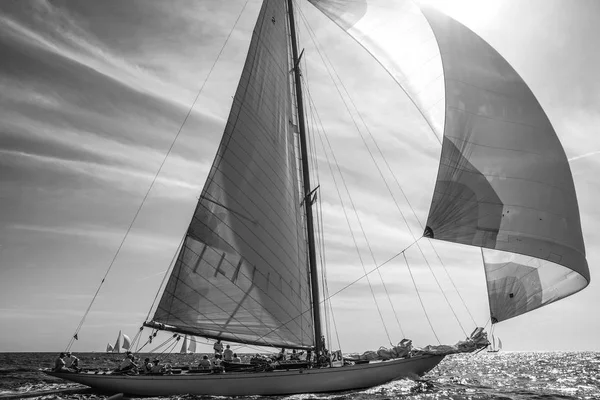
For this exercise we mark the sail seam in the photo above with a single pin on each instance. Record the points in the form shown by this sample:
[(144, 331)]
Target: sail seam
[(250, 279), (256, 253), (196, 291)]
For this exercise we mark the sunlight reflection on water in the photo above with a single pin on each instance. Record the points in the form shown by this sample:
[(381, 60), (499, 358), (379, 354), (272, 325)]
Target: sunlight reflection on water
[(515, 376)]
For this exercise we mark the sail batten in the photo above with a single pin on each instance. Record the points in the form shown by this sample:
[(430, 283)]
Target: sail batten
[(241, 273)]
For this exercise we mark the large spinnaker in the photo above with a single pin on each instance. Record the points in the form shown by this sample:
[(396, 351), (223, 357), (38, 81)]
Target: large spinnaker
[(242, 274), (397, 35), (504, 182)]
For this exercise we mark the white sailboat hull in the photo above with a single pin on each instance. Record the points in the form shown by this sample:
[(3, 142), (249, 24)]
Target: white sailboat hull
[(263, 383)]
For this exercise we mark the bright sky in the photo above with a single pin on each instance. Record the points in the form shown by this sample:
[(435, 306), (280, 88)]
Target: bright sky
[(93, 93)]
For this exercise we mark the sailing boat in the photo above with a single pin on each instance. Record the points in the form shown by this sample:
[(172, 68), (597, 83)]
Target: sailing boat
[(240, 273), (188, 347), (118, 346), (493, 348)]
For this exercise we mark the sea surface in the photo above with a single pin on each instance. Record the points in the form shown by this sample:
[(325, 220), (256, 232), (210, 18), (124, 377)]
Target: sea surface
[(504, 375)]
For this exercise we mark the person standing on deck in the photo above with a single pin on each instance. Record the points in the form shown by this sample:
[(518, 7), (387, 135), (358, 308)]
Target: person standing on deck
[(218, 347)]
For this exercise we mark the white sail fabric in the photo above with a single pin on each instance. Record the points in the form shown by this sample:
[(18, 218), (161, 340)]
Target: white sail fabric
[(184, 346), (499, 344), (242, 274), (192, 346), (117, 346), (504, 181), (126, 342), (396, 33), (109, 348)]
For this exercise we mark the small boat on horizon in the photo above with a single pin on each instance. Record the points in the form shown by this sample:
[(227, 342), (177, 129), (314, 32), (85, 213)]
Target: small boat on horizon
[(493, 348)]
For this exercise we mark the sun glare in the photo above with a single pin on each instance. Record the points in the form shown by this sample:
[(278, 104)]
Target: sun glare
[(470, 12)]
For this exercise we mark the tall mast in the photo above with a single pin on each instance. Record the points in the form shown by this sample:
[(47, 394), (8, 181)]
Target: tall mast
[(312, 258)]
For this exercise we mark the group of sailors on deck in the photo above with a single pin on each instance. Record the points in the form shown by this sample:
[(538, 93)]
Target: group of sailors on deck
[(67, 362), (146, 367)]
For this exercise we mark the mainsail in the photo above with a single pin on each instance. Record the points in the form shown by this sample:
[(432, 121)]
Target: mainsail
[(504, 182), (242, 273)]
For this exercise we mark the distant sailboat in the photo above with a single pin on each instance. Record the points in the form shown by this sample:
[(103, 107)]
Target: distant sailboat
[(493, 348), (192, 346), (188, 346), (246, 270), (184, 346), (117, 346), (126, 344)]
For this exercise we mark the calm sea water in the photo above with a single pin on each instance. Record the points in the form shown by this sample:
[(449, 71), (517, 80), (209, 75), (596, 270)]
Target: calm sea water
[(517, 376)]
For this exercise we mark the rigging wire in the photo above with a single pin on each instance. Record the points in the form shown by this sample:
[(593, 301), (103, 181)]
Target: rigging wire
[(322, 254), (171, 265), (328, 307), (421, 300), (329, 163), (329, 65), (348, 192), (75, 335), (343, 288)]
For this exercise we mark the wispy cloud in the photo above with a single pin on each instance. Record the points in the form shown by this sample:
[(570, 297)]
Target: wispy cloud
[(586, 155), (104, 236), (69, 40), (123, 176)]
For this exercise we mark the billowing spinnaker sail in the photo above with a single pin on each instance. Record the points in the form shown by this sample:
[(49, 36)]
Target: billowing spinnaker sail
[(126, 342), (242, 272), (397, 34), (504, 182)]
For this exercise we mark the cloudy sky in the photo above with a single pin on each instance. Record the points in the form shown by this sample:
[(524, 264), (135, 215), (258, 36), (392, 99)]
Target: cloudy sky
[(92, 95)]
